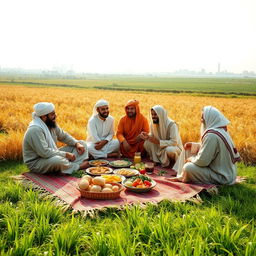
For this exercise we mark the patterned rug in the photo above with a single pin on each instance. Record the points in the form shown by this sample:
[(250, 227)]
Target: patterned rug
[(65, 188)]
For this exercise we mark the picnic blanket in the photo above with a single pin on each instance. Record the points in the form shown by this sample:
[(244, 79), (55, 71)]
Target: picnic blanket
[(65, 188)]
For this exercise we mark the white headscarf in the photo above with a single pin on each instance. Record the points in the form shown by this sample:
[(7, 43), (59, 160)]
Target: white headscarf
[(99, 103), (164, 122), (41, 109), (216, 122)]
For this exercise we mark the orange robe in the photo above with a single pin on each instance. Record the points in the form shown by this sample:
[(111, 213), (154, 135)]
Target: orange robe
[(129, 128)]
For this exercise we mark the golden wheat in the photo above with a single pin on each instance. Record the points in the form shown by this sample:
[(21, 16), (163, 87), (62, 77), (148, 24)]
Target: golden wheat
[(74, 107)]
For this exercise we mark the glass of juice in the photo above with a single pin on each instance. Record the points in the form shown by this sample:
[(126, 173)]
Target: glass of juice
[(137, 157), (149, 167)]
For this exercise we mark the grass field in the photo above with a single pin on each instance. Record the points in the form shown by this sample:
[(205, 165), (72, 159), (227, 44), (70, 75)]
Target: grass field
[(222, 86), (223, 224)]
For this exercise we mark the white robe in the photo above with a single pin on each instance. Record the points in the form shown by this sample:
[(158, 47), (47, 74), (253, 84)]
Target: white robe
[(171, 142), (213, 160), (99, 130)]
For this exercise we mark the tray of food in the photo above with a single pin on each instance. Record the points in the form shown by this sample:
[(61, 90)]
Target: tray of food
[(126, 172), (139, 184), (120, 163), (99, 170), (97, 188), (98, 162)]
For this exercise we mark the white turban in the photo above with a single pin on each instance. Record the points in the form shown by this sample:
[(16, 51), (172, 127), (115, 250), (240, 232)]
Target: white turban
[(99, 103), (43, 108), (214, 118)]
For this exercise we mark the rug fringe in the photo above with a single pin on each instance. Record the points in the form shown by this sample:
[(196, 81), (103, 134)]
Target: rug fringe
[(42, 193)]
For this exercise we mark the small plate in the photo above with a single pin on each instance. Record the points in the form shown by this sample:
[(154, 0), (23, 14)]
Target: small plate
[(127, 172), (120, 163), (139, 190), (98, 162), (99, 170)]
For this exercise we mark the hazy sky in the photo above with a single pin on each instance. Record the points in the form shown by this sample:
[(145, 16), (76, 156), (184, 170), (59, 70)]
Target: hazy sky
[(128, 35)]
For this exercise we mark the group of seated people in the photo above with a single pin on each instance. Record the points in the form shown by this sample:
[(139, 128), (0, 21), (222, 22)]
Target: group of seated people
[(212, 161)]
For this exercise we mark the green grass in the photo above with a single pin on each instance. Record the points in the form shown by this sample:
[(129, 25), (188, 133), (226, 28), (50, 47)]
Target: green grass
[(210, 85), (223, 224)]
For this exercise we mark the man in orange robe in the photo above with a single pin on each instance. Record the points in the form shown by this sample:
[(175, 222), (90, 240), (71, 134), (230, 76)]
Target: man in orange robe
[(129, 130)]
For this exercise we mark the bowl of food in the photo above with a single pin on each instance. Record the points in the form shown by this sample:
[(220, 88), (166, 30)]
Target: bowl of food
[(98, 162), (120, 163), (126, 172), (97, 188), (139, 184), (99, 170)]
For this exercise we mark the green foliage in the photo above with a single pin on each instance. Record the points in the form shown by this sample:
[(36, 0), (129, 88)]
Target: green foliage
[(223, 224), (215, 86)]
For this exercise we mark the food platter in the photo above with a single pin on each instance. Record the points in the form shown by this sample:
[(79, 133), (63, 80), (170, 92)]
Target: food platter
[(99, 170), (98, 162), (138, 189), (126, 172), (120, 163)]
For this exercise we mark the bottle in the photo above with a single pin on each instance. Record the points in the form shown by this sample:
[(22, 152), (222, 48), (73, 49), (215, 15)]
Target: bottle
[(137, 157)]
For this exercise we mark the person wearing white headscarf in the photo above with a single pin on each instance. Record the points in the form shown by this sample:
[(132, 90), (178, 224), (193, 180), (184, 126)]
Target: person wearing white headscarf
[(100, 132), (163, 143), (213, 160), (40, 152)]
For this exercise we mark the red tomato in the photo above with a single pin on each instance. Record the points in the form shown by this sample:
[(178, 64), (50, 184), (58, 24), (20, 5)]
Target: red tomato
[(143, 171), (147, 183)]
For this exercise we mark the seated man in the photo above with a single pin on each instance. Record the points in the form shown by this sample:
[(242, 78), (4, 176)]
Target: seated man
[(129, 130), (100, 131), (163, 143), (40, 152), (213, 160)]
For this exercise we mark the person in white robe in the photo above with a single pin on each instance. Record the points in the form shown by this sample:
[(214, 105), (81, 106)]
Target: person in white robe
[(163, 143), (40, 152), (100, 130), (213, 160)]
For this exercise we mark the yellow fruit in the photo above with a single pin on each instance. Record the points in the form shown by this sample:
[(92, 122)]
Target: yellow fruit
[(87, 177), (107, 190), (115, 188), (95, 188), (128, 183), (108, 186), (98, 181), (83, 184)]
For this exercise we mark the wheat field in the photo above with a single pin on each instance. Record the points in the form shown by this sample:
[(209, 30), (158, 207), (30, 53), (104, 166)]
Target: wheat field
[(74, 108)]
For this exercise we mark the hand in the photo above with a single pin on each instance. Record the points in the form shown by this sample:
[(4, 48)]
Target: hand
[(188, 146), (154, 140), (71, 157), (100, 144), (144, 135), (126, 145), (79, 148), (188, 160)]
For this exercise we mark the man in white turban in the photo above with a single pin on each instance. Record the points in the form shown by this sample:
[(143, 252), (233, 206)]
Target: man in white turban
[(163, 143), (100, 131), (40, 152), (213, 160)]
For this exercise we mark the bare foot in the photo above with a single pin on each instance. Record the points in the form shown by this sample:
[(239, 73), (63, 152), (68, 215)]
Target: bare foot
[(174, 179), (84, 165), (114, 155)]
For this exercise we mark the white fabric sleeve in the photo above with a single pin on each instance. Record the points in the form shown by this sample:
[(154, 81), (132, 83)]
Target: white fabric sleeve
[(207, 152), (111, 132), (172, 141), (65, 137), (92, 131), (40, 146)]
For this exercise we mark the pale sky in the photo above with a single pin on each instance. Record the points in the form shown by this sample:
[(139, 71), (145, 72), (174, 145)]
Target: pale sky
[(128, 36)]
